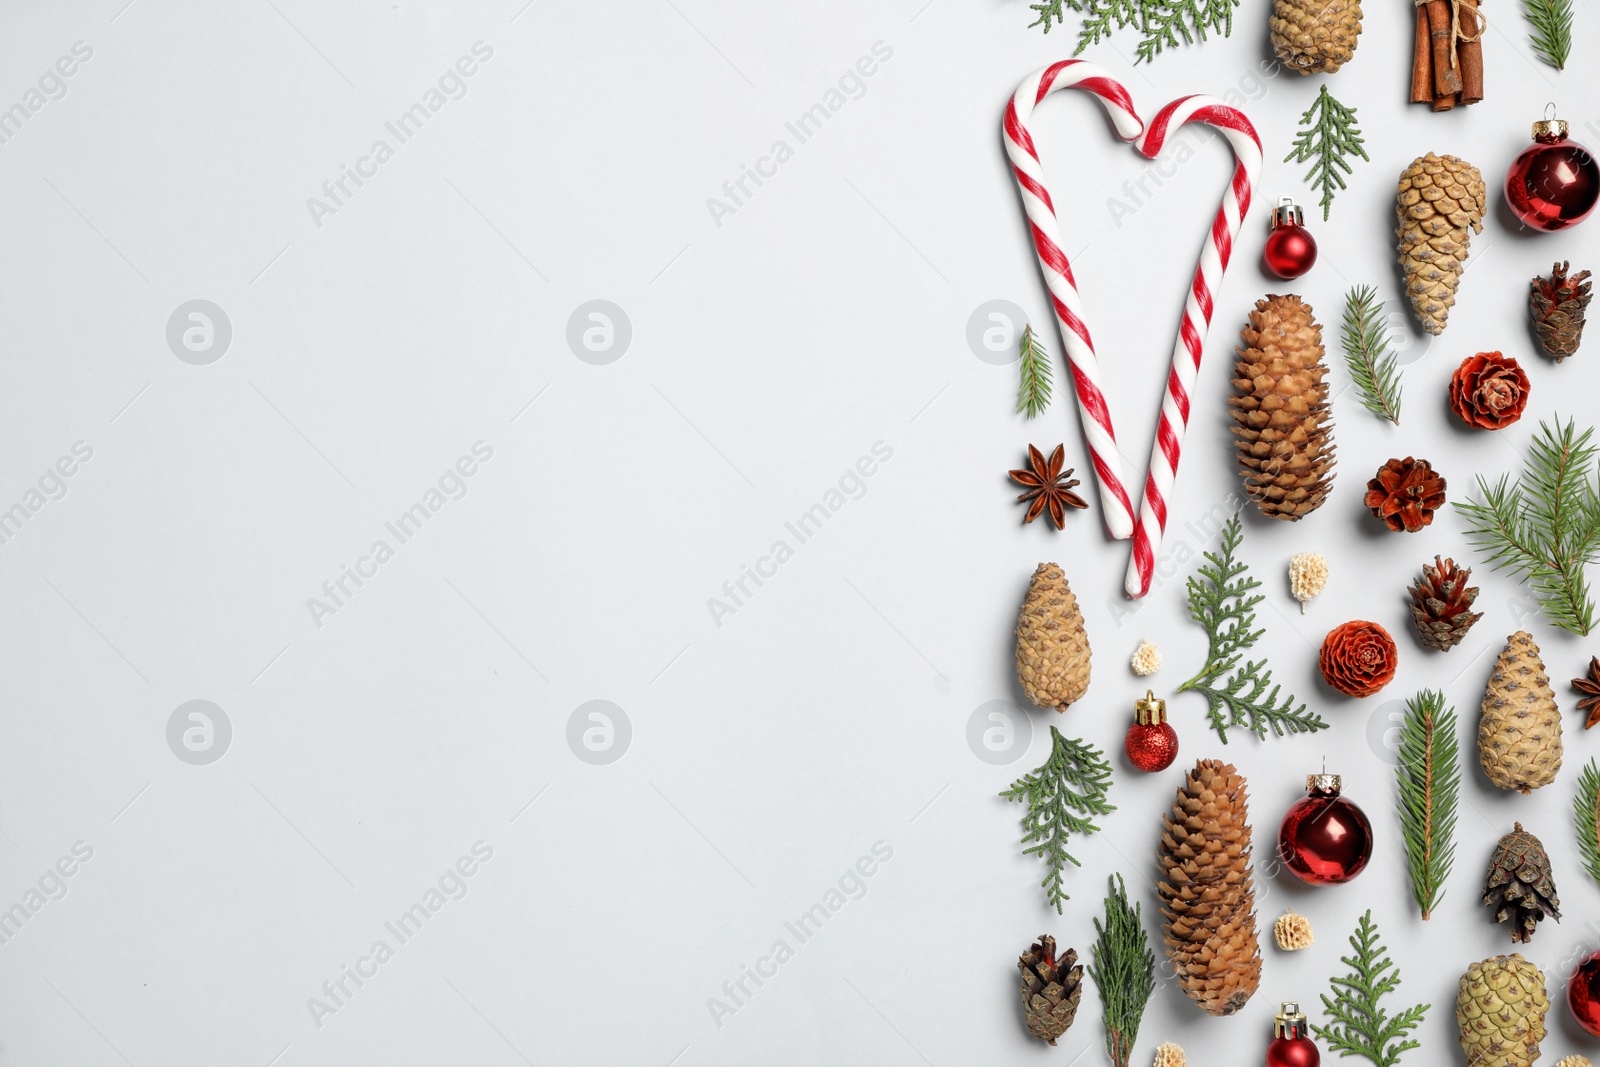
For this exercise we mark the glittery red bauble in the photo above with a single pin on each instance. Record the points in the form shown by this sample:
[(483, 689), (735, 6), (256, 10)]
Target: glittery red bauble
[(1555, 182), (1290, 251), (1293, 1052), (1583, 994), (1152, 747), (1325, 839)]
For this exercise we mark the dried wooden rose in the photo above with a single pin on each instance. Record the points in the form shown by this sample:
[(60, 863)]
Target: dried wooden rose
[(1488, 391), (1358, 658)]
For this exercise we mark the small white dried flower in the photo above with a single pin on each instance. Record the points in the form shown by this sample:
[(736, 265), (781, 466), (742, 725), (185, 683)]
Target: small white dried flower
[(1308, 574), (1292, 932), (1146, 659), (1575, 1061), (1170, 1055)]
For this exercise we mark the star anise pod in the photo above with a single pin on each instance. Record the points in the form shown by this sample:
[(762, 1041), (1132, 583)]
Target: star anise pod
[(1590, 688), (1048, 486)]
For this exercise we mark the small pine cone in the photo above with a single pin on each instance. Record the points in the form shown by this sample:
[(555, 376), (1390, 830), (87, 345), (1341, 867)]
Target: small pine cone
[(1308, 576), (1146, 659), (1558, 304), (1438, 200), (1441, 604), (1358, 658), (1315, 38), (1405, 493), (1052, 646), (1489, 391), (1170, 1055), (1520, 887), (1051, 988), (1519, 733), (1292, 931), (1501, 1006)]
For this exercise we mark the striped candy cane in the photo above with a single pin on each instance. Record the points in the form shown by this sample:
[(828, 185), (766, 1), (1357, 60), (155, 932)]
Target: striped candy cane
[(1147, 525)]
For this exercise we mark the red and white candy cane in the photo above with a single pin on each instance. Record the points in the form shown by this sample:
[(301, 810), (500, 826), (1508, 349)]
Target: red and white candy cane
[(1147, 524)]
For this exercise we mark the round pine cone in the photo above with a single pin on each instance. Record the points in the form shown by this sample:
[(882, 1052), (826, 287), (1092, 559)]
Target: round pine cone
[(1358, 658), (1488, 391), (1405, 493)]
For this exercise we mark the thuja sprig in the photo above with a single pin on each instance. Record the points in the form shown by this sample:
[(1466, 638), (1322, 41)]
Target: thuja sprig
[(1223, 601), (1586, 818), (1430, 787), (1124, 972), (1033, 392), (1333, 135), (1161, 24), (1552, 30), (1373, 366), (1062, 795), (1358, 1024)]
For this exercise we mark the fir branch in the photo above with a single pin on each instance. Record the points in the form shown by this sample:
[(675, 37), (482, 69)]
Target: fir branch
[(1429, 776), (1358, 1025), (1552, 30), (1332, 136), (1052, 9), (1545, 526), (1033, 393), (1221, 599), (1374, 368), (1061, 795), (1586, 818), (1124, 972)]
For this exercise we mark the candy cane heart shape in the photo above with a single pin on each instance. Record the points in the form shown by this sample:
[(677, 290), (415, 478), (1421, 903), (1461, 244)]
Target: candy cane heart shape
[(1145, 526)]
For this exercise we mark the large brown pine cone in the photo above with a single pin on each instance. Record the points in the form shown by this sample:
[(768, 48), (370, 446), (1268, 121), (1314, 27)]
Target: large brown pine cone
[(1405, 493)]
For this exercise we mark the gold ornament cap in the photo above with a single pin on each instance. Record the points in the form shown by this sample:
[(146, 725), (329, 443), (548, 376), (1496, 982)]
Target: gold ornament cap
[(1324, 783), (1550, 129), (1150, 710), (1287, 213), (1290, 1022)]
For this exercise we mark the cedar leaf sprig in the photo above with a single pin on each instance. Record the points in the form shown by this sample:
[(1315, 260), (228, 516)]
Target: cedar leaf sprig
[(1586, 818), (1545, 526), (1033, 393), (1429, 775), (1062, 795), (1221, 599), (1358, 1025), (1333, 135), (1161, 24), (1373, 366), (1552, 30), (1124, 972)]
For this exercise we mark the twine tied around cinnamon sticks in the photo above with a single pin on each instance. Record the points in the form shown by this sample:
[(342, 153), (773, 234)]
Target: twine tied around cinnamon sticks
[(1447, 65)]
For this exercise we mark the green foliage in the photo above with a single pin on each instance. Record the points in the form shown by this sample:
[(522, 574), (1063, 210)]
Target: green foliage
[(1552, 29), (1221, 600), (1586, 818), (1430, 787), (1333, 135), (1161, 24), (1373, 366), (1545, 526), (1124, 972), (1061, 795), (1033, 394), (1051, 9), (1358, 1025)]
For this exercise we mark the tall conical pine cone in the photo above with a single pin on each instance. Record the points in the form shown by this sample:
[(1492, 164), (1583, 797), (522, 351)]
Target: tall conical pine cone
[(1500, 1009), (1519, 734), (1313, 38), (1051, 988), (1520, 887), (1558, 304), (1439, 206), (1207, 890), (1280, 408), (1052, 646), (1441, 604)]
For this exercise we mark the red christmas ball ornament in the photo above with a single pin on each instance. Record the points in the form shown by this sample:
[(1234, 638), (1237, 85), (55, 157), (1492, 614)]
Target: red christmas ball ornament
[(1290, 250), (1152, 743), (1583, 994), (1291, 1039), (1325, 839), (1555, 182)]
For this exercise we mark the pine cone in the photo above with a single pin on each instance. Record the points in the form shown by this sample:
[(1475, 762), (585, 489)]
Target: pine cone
[(1405, 493), (1439, 199), (1282, 436), (1051, 988), (1293, 932), (1315, 38), (1558, 304), (1207, 890), (1500, 1009), (1488, 391), (1520, 887), (1170, 1055), (1519, 735), (1441, 602), (1052, 646), (1358, 658)]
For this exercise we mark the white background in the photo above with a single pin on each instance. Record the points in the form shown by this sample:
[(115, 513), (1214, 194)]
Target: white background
[(768, 354)]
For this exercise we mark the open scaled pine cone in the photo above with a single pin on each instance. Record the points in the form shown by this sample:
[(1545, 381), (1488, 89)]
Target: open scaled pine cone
[(1488, 391), (1358, 658), (1405, 493)]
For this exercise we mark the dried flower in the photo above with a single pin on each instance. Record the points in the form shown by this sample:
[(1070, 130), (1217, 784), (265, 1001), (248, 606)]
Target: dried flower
[(1292, 931), (1488, 391), (1358, 658), (1146, 659), (1308, 576)]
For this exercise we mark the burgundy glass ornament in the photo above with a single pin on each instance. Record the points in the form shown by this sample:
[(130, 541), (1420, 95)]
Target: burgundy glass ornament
[(1555, 182), (1291, 1039), (1325, 839), (1583, 994), (1290, 250)]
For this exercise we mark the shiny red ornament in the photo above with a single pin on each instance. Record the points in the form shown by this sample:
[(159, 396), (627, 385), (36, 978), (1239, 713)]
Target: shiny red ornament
[(1325, 839), (1555, 182), (1152, 743), (1583, 994), (1291, 1039), (1290, 249)]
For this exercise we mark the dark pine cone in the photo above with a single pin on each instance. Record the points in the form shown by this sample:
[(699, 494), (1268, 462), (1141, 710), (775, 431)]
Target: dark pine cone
[(1441, 604), (1558, 304), (1520, 888), (1050, 988)]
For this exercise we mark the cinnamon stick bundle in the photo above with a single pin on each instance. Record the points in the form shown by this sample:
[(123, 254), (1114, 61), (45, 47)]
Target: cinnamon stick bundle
[(1447, 54)]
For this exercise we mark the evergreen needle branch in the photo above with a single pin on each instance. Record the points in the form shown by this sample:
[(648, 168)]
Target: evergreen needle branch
[(1374, 368), (1429, 774), (1124, 972), (1552, 29), (1332, 137), (1586, 818), (1062, 795), (1358, 1024), (1033, 393)]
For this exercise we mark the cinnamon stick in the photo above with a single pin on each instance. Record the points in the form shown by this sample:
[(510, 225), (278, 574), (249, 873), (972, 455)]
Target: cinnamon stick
[(1422, 61), (1471, 54), (1446, 78), (1446, 102)]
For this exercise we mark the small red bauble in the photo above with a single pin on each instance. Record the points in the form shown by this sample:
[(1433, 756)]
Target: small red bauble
[(1291, 1039), (1152, 743), (1555, 182), (1290, 249), (1325, 839), (1583, 994)]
